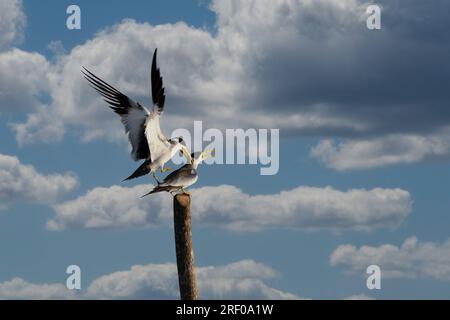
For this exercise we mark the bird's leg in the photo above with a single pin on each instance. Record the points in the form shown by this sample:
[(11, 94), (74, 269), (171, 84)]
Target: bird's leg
[(186, 192)]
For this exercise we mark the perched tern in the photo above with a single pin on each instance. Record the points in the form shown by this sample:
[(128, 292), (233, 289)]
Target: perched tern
[(184, 177)]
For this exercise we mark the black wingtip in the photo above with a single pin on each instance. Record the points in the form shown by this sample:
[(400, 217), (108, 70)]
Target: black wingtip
[(147, 194), (129, 178), (154, 61), (84, 70), (158, 96)]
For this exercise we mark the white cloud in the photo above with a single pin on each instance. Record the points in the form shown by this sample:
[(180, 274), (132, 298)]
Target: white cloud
[(153, 281), (305, 208), (382, 151), (111, 207), (12, 22), (18, 288), (245, 279), (23, 77), (40, 126), (22, 183), (413, 259)]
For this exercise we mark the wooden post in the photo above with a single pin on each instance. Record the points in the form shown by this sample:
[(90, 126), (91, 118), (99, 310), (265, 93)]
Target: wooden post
[(182, 219)]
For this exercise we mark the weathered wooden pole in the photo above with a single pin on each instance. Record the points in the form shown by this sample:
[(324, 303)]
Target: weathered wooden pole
[(182, 219)]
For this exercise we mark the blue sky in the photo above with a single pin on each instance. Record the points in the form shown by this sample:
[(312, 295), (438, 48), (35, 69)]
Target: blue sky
[(393, 149)]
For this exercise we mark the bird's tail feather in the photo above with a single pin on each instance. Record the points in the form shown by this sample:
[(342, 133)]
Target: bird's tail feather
[(158, 189), (142, 170)]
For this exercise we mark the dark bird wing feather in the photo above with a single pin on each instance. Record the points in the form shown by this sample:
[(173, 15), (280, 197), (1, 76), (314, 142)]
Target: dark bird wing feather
[(132, 114), (158, 95)]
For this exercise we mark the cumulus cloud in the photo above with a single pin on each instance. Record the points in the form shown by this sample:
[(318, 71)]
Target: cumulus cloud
[(383, 151), (413, 259), (316, 68), (18, 288), (111, 207), (245, 279), (23, 78), (40, 126), (25, 81), (22, 183), (12, 22), (319, 63), (153, 281), (305, 208)]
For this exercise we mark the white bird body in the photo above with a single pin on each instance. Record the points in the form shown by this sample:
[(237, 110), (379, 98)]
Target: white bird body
[(185, 177), (162, 158)]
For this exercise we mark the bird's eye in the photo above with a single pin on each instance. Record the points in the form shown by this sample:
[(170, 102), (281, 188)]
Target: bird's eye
[(180, 139)]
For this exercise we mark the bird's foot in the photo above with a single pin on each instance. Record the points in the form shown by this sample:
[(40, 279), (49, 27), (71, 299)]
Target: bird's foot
[(186, 192)]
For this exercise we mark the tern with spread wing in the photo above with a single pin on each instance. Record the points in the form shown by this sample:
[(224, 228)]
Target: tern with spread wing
[(184, 177), (141, 125)]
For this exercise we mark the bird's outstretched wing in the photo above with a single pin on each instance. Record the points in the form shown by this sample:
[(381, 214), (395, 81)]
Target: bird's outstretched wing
[(133, 115), (157, 86), (157, 141)]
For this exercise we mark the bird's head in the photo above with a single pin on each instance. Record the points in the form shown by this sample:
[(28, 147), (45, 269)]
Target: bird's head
[(177, 140)]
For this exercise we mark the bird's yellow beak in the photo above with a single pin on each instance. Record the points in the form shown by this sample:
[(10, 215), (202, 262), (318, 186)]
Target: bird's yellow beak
[(184, 150)]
